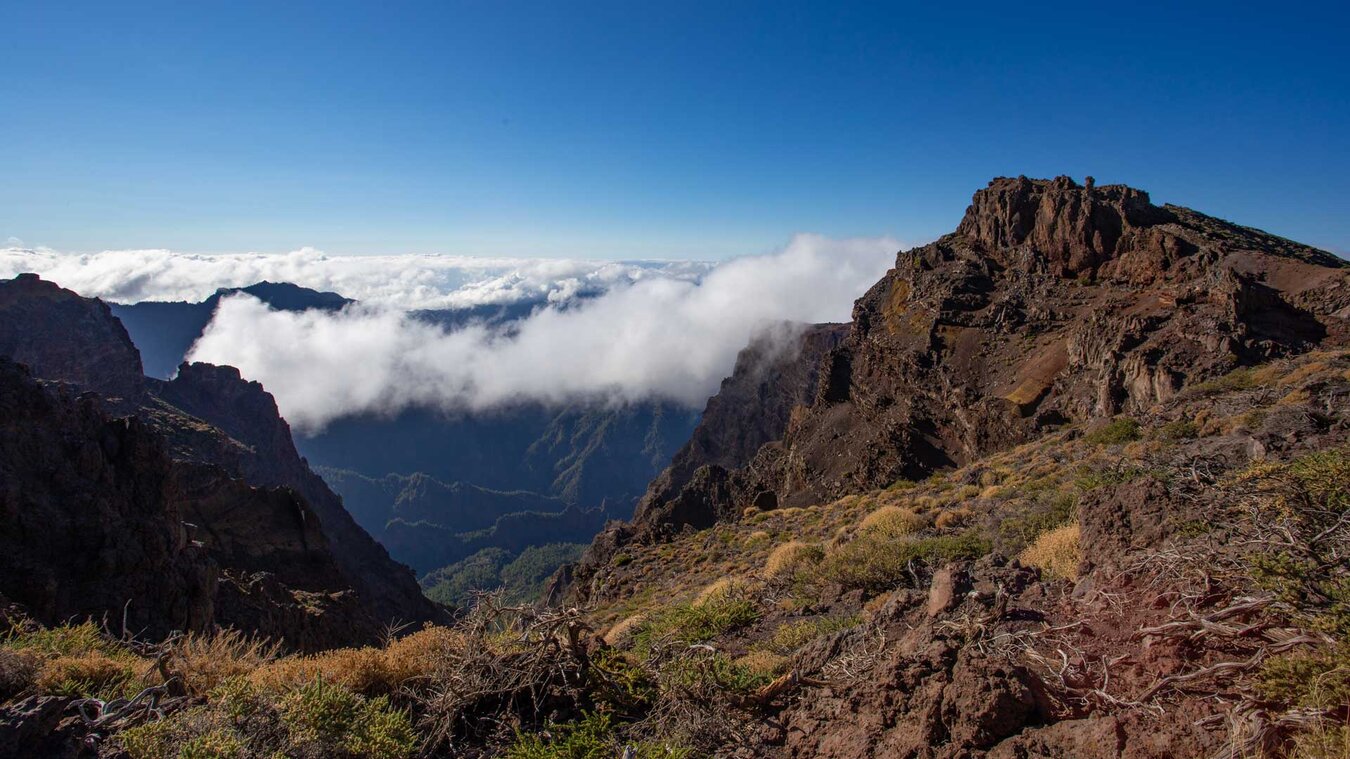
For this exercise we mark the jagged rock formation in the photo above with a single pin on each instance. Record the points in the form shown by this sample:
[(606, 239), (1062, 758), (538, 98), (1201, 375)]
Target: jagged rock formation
[(290, 561), (1051, 303), (88, 515)]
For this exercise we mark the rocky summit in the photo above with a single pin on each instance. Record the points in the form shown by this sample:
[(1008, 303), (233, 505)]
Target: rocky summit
[(1073, 483)]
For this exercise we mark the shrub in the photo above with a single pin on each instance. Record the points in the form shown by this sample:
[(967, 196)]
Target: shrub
[(1319, 680), (1021, 528), (64, 640), (721, 590), (18, 671), (362, 670), (89, 675), (695, 623), (1120, 430), (1181, 429), (875, 564), (205, 660), (952, 519), (707, 676), (333, 720), (790, 556), (1238, 379), (763, 663), (793, 635), (1303, 505), (159, 739), (426, 652), (1056, 553), (892, 522), (217, 744), (592, 737)]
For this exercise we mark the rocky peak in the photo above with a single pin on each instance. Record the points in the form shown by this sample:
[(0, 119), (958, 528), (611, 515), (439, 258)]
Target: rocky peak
[(62, 336), (241, 408), (1076, 228)]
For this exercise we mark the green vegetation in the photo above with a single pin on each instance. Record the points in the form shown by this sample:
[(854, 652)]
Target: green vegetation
[(1238, 379), (793, 635), (591, 737), (697, 622), (1120, 430), (875, 563), (521, 579), (1049, 510), (1181, 429)]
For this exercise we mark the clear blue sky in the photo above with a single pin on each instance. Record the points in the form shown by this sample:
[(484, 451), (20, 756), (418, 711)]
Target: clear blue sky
[(627, 129)]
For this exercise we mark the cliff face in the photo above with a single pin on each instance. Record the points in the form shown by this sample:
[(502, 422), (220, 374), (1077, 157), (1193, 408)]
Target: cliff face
[(289, 560), (96, 519), (774, 377), (248, 415), (88, 520), (73, 339), (1051, 303)]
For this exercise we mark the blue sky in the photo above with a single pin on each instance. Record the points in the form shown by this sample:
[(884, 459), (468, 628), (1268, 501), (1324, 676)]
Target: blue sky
[(622, 130)]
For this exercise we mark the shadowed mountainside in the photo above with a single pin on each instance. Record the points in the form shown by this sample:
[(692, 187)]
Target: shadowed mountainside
[(275, 531)]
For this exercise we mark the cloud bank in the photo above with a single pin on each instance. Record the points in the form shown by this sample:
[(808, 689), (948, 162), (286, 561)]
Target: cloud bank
[(653, 334), (404, 281)]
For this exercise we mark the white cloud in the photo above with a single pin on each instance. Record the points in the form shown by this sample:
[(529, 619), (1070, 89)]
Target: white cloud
[(404, 281), (655, 333)]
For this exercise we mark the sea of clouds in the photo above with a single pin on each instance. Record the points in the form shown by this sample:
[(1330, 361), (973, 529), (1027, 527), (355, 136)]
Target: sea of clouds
[(656, 330), (401, 281)]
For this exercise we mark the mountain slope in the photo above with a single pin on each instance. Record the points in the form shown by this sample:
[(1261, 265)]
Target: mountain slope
[(1051, 303)]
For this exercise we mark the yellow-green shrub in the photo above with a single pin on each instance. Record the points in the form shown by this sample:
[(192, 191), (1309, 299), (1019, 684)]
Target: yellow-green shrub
[(789, 556), (1056, 553), (892, 522)]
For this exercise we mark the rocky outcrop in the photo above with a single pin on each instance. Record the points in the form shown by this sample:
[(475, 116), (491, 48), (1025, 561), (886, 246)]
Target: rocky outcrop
[(257, 445), (64, 337), (89, 521), (774, 377)]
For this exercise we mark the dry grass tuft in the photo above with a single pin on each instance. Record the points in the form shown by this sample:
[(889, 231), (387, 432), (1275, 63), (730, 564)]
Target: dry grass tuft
[(18, 670), (892, 522), (952, 518), (206, 660), (1056, 553), (763, 663), (367, 671), (722, 589), (787, 557), (90, 674)]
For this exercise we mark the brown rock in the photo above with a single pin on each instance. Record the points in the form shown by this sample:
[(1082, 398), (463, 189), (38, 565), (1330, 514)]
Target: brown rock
[(944, 592)]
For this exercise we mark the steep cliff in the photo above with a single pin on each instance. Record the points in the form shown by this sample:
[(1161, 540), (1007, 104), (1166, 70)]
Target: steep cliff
[(97, 521), (270, 526)]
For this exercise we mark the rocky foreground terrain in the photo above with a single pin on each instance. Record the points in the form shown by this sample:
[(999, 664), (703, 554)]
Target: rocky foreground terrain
[(1075, 482)]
